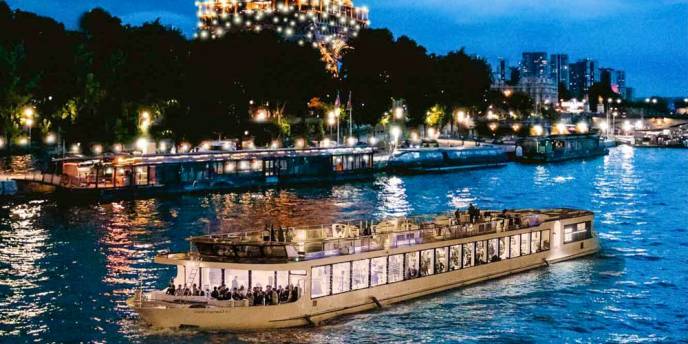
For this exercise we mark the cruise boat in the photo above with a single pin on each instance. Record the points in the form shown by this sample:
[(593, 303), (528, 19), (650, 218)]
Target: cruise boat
[(554, 148), (304, 276), (440, 159)]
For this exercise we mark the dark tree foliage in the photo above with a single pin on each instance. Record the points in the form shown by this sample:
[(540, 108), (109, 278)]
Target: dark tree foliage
[(379, 68), (93, 84)]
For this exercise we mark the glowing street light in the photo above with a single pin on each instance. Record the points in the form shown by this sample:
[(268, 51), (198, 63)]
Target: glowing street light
[(97, 149), (516, 127), (398, 113), (582, 127), (493, 126), (144, 121), (627, 126), (117, 148), (536, 130), (561, 128), (395, 131), (300, 143), (372, 141), (351, 141), (50, 139), (2, 143), (604, 126), (142, 144)]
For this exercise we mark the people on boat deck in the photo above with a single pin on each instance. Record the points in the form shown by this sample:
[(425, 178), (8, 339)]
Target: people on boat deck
[(258, 296), (281, 234), (473, 213)]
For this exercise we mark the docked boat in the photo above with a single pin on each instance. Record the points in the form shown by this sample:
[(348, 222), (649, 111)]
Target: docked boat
[(439, 159), (303, 276), (124, 175), (556, 148)]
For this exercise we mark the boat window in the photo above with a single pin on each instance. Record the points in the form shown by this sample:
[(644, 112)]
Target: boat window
[(282, 279), (248, 251), (535, 244), (545, 240), (211, 278), (396, 268), (412, 264), (361, 273), (455, 155), (504, 248), (441, 260), (455, 257), (297, 278), (378, 271), (320, 281), (236, 278), (492, 254), (525, 244), (577, 232), (427, 262), (481, 252), (468, 254), (515, 246), (432, 156), (262, 279), (341, 277)]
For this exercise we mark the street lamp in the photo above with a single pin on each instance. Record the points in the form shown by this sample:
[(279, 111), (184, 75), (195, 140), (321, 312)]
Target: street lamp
[(395, 131)]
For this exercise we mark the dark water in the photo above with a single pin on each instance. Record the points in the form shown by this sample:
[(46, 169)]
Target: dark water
[(65, 271)]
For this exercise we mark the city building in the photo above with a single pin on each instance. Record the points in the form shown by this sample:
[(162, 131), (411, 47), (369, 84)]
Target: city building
[(616, 79), (559, 69), (582, 75), (324, 24), (502, 72), (534, 65)]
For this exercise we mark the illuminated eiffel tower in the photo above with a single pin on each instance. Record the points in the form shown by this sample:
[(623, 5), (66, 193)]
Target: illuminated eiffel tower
[(327, 25)]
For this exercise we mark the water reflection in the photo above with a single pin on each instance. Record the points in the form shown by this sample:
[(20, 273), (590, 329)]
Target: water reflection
[(392, 197), (23, 243)]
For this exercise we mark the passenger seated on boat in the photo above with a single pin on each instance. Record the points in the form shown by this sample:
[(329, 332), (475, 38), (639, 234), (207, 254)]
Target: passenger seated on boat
[(170, 288), (215, 294), (179, 291), (267, 295), (235, 294), (412, 273)]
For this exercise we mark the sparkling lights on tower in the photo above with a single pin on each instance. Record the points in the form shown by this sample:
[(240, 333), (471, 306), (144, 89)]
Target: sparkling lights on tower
[(326, 25)]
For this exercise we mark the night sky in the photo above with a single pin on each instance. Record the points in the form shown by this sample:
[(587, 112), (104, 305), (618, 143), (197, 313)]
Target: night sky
[(647, 38)]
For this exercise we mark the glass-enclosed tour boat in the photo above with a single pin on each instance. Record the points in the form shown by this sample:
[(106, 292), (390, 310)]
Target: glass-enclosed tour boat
[(555, 148), (445, 159), (289, 277)]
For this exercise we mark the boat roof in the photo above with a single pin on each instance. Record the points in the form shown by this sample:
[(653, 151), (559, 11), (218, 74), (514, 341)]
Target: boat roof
[(353, 232), (153, 159)]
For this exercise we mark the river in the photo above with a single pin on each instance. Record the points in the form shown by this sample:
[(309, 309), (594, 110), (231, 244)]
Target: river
[(66, 270)]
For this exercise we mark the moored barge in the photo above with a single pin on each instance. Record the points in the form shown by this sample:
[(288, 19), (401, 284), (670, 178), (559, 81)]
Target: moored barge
[(304, 276), (123, 175)]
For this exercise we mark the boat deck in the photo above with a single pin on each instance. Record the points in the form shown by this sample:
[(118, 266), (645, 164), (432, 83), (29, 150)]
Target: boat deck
[(351, 237)]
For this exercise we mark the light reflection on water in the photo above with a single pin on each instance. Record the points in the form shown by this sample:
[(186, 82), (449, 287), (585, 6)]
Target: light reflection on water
[(65, 271)]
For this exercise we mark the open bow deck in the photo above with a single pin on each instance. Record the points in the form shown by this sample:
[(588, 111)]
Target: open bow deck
[(288, 277)]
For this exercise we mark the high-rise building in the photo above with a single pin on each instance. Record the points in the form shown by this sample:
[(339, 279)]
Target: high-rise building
[(559, 68), (501, 72), (326, 25), (616, 79), (582, 75), (535, 65)]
